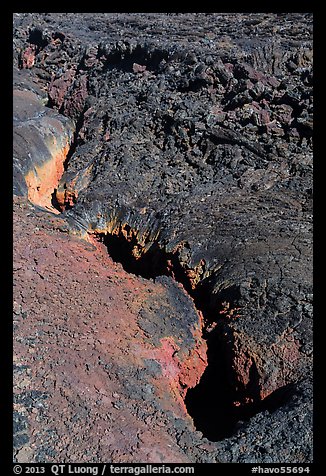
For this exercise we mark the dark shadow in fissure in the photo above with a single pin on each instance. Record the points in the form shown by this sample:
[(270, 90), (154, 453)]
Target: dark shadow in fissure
[(212, 403), (150, 265), (219, 404), (54, 200), (155, 262), (125, 60), (57, 205)]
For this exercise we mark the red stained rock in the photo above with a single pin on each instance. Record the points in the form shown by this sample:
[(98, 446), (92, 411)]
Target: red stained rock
[(59, 87), (254, 75), (42, 180), (48, 137), (106, 136), (259, 371), (76, 331), (138, 68), (28, 57), (75, 102), (66, 198)]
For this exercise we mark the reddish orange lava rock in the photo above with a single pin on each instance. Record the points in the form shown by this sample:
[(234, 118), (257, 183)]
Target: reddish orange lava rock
[(97, 373)]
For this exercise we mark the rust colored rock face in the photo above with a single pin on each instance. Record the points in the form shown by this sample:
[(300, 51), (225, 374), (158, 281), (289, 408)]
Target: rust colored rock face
[(81, 352), (75, 102), (66, 199), (59, 87), (41, 143), (41, 181), (28, 57), (251, 359)]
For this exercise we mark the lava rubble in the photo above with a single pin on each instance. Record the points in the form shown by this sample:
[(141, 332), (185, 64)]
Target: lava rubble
[(162, 237)]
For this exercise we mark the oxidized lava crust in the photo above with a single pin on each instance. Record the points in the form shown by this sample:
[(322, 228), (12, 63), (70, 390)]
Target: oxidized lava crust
[(92, 383), (188, 153), (41, 142)]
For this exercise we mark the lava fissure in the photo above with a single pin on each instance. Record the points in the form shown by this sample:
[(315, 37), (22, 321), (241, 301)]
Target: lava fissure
[(218, 403), (55, 202), (76, 139), (185, 155)]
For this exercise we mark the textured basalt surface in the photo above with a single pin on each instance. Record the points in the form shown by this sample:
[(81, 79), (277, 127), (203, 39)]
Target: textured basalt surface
[(41, 142), (91, 382), (188, 153)]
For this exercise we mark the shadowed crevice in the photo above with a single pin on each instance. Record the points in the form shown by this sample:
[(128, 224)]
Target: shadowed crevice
[(212, 404)]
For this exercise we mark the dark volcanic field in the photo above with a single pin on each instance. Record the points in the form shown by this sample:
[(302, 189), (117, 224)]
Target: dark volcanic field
[(180, 146)]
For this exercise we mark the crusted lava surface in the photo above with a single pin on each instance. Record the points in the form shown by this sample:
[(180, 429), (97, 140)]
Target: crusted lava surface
[(92, 382), (184, 154)]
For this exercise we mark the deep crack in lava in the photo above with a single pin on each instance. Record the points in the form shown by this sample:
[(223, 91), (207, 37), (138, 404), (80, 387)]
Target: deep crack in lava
[(188, 152), (217, 404)]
